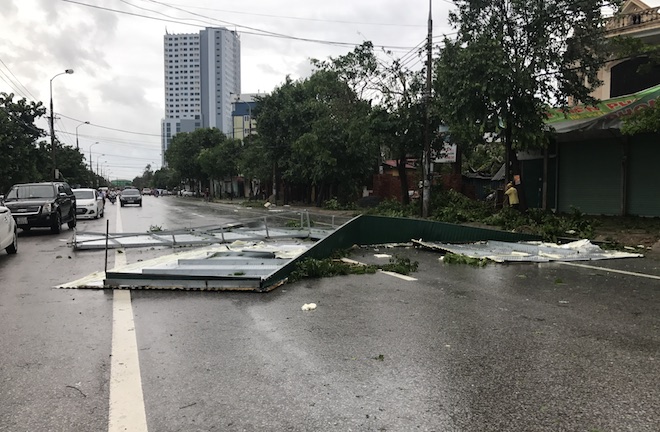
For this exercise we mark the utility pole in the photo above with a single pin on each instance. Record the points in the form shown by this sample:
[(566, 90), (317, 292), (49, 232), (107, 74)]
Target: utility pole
[(52, 132), (428, 175)]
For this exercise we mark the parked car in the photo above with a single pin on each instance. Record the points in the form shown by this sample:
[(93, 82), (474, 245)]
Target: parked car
[(8, 231), (146, 191), (45, 205), (187, 193), (89, 203), (130, 196)]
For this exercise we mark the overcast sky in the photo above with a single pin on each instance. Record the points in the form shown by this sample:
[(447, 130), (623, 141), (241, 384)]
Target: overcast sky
[(116, 51), (117, 58)]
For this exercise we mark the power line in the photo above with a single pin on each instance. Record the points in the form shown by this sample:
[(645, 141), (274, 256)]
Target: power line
[(413, 59), (165, 15), (12, 85), (129, 143), (67, 134), (17, 80), (298, 18), (266, 32), (412, 65), (262, 32), (413, 51), (123, 156), (112, 129)]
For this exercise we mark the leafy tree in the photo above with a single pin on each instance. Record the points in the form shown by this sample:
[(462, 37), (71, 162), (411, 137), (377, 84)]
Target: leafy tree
[(397, 121), (72, 166), (254, 162), (314, 132), (642, 121), (145, 180), (360, 69), (166, 178), (513, 58), (221, 161), (18, 141), (182, 154), (338, 133), (278, 124)]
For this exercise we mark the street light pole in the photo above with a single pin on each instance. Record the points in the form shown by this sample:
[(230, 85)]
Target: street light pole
[(91, 167), (83, 123), (98, 173), (52, 123)]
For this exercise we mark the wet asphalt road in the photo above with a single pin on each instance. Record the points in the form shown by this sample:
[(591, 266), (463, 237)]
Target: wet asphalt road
[(522, 347)]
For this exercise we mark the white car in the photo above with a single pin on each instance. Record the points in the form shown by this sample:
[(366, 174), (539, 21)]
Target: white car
[(89, 203), (8, 231)]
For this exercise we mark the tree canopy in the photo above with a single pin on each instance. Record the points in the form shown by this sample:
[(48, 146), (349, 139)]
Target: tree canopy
[(314, 132), (513, 58), (18, 141), (182, 153), (23, 158), (398, 100)]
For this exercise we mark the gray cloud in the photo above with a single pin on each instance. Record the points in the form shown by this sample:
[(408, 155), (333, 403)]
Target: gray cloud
[(268, 69), (118, 59)]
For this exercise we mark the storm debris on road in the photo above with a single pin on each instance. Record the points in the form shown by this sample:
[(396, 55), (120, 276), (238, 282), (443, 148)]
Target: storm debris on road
[(498, 251)]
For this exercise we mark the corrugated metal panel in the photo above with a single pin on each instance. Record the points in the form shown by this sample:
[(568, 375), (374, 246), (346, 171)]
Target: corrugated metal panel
[(241, 266), (367, 229), (251, 268), (581, 250), (590, 177), (643, 186)]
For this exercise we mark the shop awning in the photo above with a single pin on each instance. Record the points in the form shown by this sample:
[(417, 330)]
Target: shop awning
[(604, 115)]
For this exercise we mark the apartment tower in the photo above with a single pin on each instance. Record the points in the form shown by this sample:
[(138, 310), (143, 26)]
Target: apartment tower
[(202, 73)]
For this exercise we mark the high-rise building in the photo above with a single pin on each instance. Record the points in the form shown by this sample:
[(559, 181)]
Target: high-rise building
[(202, 72)]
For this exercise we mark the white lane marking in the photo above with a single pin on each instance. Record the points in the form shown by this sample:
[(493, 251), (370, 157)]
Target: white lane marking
[(610, 270), (198, 215), (127, 412), (399, 275)]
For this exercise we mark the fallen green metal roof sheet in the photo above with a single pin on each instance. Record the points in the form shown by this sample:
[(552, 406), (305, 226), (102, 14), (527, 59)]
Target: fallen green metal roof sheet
[(221, 267)]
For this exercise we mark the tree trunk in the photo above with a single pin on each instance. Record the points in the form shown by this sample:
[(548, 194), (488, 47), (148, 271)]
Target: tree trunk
[(274, 194), (319, 195), (231, 188), (513, 166), (457, 172), (403, 178), (286, 190), (507, 153)]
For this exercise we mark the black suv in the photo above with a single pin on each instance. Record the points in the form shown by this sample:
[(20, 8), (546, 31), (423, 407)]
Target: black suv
[(46, 205)]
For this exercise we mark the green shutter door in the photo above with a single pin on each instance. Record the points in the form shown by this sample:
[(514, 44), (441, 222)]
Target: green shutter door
[(643, 186), (590, 177), (532, 174)]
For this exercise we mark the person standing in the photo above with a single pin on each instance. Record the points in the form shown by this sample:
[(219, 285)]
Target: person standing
[(512, 194)]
